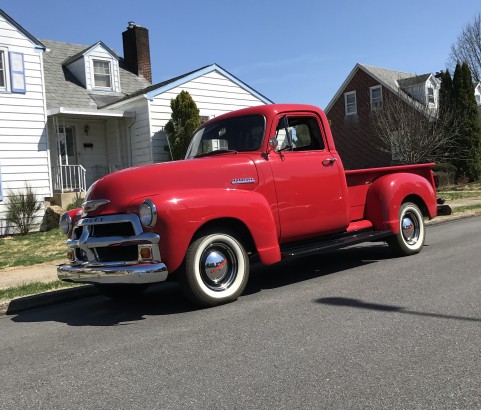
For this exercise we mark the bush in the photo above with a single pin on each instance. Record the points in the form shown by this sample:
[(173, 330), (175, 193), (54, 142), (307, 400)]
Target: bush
[(444, 168), (76, 203), (22, 208)]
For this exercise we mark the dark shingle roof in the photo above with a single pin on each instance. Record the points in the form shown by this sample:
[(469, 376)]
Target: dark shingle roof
[(157, 86), (419, 79), (64, 90)]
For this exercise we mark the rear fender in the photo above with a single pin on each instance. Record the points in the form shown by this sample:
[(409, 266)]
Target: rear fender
[(181, 216), (388, 192)]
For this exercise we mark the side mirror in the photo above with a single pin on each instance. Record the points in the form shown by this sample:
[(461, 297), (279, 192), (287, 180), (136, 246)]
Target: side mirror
[(273, 143)]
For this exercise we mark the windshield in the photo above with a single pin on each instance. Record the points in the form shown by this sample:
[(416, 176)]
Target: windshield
[(230, 135)]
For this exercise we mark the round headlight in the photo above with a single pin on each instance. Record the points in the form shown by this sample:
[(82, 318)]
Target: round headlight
[(65, 223), (148, 213)]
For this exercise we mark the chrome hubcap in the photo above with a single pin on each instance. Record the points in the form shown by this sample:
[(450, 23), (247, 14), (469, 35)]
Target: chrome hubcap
[(410, 228), (218, 266)]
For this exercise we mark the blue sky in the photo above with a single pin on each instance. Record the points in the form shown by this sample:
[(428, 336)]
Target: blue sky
[(290, 51)]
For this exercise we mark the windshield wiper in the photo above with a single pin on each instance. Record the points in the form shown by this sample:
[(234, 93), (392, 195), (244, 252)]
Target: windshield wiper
[(215, 152)]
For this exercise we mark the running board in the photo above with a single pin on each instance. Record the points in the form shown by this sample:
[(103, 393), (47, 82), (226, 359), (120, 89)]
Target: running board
[(328, 245)]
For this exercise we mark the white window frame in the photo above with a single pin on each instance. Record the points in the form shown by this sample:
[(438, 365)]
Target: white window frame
[(347, 105), (433, 102), (6, 71), (378, 103), (99, 87)]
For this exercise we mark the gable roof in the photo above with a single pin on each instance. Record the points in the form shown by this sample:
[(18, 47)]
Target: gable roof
[(390, 79), (37, 43), (156, 89), (64, 90), (83, 52)]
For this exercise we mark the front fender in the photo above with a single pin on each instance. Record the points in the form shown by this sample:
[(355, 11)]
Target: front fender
[(388, 192), (182, 214)]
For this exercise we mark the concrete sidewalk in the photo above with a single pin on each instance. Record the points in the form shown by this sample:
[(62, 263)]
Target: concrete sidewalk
[(16, 276)]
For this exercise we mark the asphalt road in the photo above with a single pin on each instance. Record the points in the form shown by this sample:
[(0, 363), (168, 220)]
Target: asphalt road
[(355, 329)]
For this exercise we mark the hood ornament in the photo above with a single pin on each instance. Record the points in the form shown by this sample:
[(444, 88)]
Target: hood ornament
[(90, 206)]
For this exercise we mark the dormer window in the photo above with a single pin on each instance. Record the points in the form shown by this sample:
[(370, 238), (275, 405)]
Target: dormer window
[(430, 95), (102, 74)]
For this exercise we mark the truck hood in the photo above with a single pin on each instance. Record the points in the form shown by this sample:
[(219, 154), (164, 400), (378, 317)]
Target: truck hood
[(126, 189)]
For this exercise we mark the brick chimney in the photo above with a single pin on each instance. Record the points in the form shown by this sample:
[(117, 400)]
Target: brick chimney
[(137, 50)]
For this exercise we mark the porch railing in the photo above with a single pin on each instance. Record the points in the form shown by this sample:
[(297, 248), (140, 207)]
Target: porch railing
[(69, 178)]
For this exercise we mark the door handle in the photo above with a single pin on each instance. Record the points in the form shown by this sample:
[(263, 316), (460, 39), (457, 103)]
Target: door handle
[(328, 162)]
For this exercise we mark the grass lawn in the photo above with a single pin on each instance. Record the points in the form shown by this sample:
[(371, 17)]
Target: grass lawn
[(33, 289), (31, 249), (452, 193)]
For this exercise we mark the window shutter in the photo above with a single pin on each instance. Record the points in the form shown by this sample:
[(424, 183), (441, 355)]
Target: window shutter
[(17, 73)]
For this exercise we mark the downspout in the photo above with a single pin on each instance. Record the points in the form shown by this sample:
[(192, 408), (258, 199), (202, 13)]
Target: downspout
[(129, 127)]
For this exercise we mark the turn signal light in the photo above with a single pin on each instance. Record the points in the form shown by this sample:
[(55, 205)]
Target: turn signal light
[(70, 255), (145, 253)]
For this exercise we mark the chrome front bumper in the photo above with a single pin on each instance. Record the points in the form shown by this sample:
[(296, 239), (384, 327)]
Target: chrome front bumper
[(127, 274), (93, 236)]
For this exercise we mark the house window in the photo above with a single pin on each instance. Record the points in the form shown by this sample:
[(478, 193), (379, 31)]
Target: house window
[(350, 103), (376, 97), (478, 99), (102, 74), (431, 95)]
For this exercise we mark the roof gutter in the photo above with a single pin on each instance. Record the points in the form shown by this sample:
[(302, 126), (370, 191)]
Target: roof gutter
[(64, 111)]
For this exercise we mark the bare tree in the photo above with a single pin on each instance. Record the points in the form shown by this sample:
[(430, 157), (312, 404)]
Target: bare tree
[(468, 48), (414, 133)]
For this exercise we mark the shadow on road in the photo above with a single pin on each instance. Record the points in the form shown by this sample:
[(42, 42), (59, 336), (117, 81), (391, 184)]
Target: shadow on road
[(167, 298), (359, 304)]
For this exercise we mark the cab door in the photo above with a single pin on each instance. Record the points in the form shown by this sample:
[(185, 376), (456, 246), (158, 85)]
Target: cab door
[(306, 176)]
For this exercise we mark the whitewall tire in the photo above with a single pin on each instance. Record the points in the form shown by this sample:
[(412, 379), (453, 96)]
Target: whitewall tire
[(410, 238), (216, 269)]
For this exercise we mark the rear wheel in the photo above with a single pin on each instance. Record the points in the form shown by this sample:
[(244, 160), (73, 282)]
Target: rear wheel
[(121, 291), (410, 238), (216, 269)]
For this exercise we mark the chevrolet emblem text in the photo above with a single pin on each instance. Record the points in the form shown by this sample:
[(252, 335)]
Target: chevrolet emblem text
[(238, 181)]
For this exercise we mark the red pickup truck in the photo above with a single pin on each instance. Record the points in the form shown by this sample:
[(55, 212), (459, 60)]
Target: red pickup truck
[(263, 182)]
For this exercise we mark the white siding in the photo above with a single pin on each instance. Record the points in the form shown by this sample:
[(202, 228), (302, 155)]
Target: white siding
[(23, 134), (214, 95), (137, 136), (77, 68)]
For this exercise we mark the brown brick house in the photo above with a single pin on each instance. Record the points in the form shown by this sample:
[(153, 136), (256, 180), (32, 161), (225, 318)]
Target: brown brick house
[(366, 89)]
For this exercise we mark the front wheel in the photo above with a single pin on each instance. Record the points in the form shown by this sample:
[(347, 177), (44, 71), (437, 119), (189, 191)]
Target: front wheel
[(410, 238), (216, 270)]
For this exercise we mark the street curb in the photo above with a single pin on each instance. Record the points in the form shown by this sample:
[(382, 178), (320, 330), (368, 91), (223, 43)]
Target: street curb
[(9, 307)]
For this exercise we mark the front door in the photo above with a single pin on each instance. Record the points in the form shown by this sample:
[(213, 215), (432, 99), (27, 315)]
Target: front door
[(67, 146), (307, 180)]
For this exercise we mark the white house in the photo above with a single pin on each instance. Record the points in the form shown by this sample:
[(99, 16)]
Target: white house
[(104, 114), (24, 152), (72, 113)]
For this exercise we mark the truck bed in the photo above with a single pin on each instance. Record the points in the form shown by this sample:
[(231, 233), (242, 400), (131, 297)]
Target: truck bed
[(360, 180)]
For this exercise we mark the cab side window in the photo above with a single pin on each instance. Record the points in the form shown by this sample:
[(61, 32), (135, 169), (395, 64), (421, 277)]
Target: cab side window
[(304, 134)]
